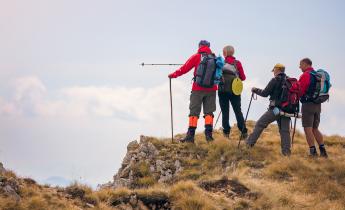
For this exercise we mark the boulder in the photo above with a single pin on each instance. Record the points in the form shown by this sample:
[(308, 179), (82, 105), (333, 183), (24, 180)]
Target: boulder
[(2, 169)]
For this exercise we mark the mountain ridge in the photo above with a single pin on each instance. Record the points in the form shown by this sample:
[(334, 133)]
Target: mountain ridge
[(159, 174)]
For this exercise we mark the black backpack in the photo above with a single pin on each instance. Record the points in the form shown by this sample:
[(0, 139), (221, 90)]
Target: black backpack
[(290, 95), (206, 71)]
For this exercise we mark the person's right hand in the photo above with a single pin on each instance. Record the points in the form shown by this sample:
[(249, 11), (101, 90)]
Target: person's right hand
[(254, 89)]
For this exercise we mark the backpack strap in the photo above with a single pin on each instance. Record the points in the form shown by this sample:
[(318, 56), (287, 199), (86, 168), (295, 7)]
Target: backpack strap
[(278, 88)]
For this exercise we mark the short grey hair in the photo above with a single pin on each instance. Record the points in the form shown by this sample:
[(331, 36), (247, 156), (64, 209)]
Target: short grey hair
[(229, 50)]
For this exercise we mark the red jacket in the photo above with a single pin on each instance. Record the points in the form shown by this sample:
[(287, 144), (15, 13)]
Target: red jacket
[(193, 62), (231, 60), (304, 80)]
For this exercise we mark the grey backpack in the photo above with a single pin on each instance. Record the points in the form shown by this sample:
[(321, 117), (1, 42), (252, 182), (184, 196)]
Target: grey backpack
[(230, 73), (206, 71)]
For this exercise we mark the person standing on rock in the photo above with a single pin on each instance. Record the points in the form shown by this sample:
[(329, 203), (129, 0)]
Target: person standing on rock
[(231, 70), (200, 95), (274, 90), (310, 111)]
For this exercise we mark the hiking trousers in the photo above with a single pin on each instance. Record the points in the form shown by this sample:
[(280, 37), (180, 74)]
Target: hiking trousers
[(206, 99), (224, 99), (284, 130)]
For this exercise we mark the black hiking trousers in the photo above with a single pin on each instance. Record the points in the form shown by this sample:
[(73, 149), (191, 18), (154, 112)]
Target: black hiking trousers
[(224, 99)]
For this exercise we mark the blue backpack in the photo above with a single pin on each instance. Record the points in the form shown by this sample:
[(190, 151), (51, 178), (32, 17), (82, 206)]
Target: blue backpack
[(318, 91), (219, 72)]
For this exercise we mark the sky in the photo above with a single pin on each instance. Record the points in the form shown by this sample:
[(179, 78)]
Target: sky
[(72, 93)]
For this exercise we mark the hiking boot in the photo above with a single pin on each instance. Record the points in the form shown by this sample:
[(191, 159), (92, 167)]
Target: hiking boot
[(286, 153), (209, 137), (208, 133), (244, 135), (323, 152), (226, 135), (312, 152), (248, 146), (190, 136)]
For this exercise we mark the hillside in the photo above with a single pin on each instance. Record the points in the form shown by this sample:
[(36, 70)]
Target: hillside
[(158, 174)]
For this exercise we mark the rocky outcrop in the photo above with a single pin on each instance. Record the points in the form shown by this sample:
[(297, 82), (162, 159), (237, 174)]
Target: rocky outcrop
[(144, 164), (9, 186), (2, 169)]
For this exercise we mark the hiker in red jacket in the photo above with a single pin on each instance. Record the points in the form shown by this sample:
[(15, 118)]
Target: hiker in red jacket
[(199, 96), (310, 111), (232, 68)]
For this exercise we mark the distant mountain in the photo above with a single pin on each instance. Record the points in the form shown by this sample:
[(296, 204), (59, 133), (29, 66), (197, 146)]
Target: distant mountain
[(57, 181)]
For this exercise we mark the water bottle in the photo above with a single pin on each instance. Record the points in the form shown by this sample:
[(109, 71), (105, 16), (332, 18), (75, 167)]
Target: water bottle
[(276, 111)]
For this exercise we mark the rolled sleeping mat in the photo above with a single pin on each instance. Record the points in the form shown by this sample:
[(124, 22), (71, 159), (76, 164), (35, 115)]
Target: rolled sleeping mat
[(277, 111)]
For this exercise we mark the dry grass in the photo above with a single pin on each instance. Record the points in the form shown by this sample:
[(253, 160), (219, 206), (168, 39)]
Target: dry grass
[(296, 182), (186, 195)]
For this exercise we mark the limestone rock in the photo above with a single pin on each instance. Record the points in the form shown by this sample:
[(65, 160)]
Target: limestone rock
[(121, 182), (10, 187), (178, 167), (2, 169), (9, 191), (132, 145)]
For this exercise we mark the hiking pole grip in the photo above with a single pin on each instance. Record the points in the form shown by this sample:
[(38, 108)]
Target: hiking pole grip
[(245, 120), (171, 113)]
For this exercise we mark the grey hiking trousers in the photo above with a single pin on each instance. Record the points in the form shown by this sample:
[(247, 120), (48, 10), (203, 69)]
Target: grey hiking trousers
[(284, 130), (199, 98)]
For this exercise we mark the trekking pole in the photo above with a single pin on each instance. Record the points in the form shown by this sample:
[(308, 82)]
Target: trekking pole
[(160, 64), (171, 114), (245, 120), (217, 119), (293, 133), (291, 124)]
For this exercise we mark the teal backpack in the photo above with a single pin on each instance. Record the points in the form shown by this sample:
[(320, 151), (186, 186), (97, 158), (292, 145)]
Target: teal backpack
[(318, 91)]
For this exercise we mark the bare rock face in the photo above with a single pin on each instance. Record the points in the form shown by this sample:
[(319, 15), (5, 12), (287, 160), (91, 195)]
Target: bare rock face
[(2, 169), (144, 162), (136, 153), (9, 186)]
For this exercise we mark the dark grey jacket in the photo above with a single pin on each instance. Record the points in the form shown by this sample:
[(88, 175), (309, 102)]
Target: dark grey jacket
[(273, 89)]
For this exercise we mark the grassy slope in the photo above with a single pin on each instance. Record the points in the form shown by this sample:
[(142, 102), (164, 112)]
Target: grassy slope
[(277, 182)]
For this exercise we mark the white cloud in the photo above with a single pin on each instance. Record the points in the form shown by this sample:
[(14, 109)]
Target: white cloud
[(30, 97), (28, 87)]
